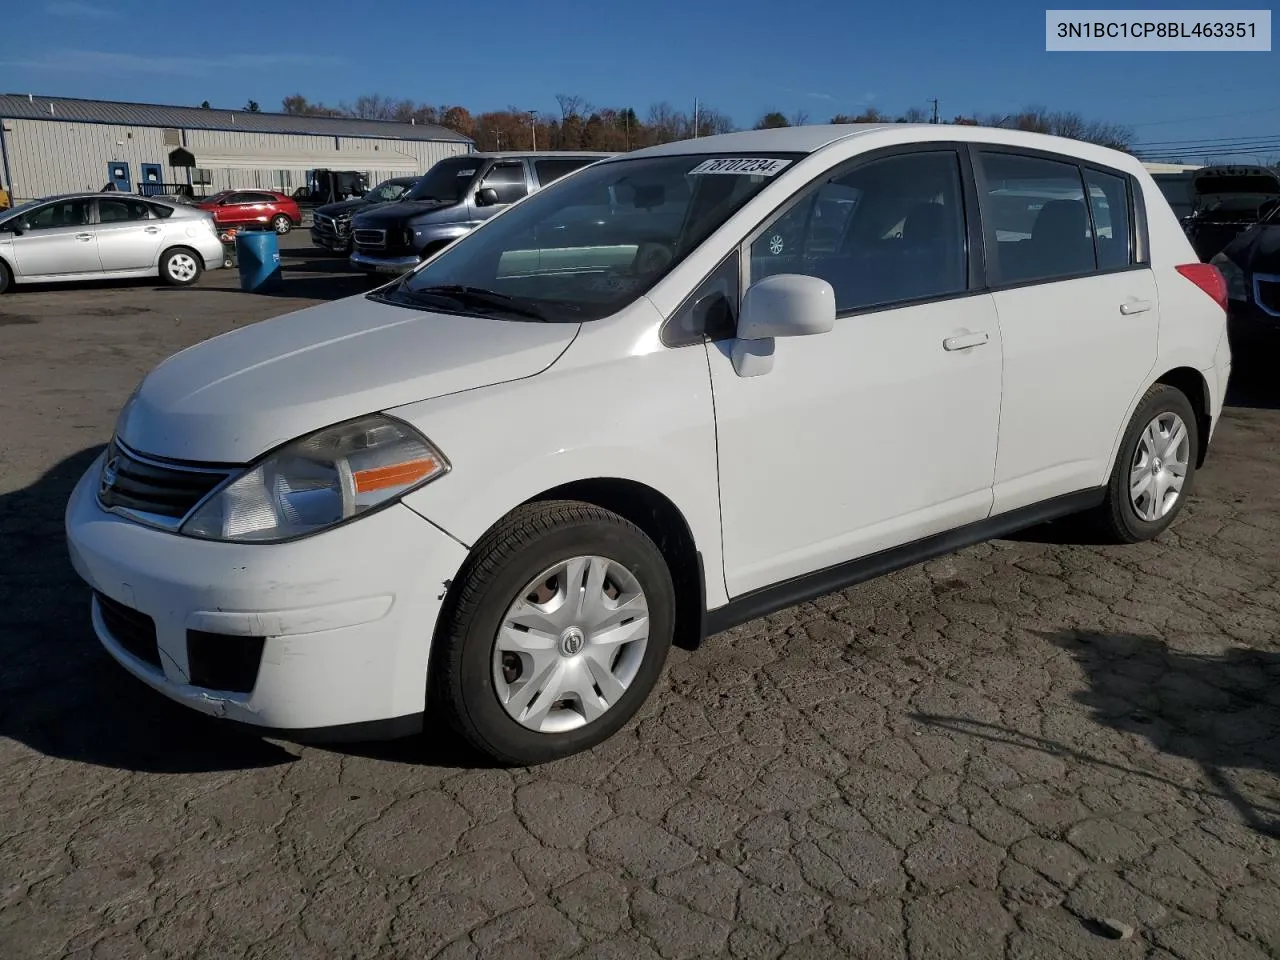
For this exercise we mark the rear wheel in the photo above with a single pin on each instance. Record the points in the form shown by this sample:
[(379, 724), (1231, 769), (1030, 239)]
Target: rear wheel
[(557, 634), (180, 267), (1154, 468), (281, 224), (6, 277)]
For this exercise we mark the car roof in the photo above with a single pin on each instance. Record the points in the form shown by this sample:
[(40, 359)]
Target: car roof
[(501, 154), (811, 139)]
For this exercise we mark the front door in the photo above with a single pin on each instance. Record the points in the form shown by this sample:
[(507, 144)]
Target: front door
[(118, 176), (510, 180), (883, 430), (58, 240), (128, 234), (1080, 320)]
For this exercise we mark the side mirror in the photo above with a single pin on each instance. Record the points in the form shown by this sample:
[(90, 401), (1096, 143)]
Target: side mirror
[(486, 197), (783, 305), (1267, 208)]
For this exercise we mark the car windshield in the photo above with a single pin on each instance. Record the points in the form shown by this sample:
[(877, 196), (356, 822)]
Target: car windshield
[(387, 190), (589, 244), (19, 209), (447, 181)]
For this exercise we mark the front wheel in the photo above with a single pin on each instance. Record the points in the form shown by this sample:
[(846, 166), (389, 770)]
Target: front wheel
[(281, 224), (559, 630), (180, 267), (1154, 468)]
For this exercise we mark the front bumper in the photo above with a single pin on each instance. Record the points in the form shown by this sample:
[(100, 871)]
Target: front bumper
[(346, 616), (330, 241), (383, 264)]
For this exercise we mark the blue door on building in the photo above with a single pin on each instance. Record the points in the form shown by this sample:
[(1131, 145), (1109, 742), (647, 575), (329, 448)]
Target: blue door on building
[(152, 179), (118, 176)]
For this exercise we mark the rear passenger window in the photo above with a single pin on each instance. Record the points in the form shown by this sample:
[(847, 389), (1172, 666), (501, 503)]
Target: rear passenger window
[(119, 210), (890, 231), (551, 170), (1109, 202), (1037, 221)]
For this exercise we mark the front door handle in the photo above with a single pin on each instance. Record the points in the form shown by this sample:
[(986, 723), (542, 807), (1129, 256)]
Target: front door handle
[(84, 236), (966, 340), (1135, 306), (152, 229)]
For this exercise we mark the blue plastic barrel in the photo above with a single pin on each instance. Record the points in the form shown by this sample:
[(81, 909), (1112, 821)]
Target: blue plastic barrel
[(258, 256)]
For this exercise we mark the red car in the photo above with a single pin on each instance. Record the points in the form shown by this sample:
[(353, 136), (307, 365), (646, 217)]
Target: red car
[(234, 208)]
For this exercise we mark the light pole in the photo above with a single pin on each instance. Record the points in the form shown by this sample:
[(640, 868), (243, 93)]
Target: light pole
[(533, 128)]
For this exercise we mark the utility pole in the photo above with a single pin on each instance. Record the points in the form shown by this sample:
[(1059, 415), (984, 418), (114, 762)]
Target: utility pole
[(533, 128), (695, 116), (934, 101)]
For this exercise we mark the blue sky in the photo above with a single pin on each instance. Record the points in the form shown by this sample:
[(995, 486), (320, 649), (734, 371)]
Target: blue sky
[(819, 56)]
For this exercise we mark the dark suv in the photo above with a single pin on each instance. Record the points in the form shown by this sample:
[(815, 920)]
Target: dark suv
[(331, 223), (452, 199)]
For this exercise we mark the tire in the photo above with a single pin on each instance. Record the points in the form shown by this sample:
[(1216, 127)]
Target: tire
[(1121, 517), (6, 277), (180, 267), (480, 689), (281, 224)]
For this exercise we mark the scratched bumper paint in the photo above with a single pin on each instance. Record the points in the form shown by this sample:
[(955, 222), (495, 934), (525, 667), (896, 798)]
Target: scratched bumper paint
[(348, 614)]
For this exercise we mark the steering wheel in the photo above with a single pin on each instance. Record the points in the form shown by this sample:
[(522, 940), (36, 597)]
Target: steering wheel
[(652, 256)]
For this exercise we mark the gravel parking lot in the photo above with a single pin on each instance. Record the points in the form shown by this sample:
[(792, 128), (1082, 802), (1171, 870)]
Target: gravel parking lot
[(1035, 748)]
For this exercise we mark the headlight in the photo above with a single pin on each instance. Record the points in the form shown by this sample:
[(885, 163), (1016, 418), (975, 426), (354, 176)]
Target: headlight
[(323, 479), (1234, 276)]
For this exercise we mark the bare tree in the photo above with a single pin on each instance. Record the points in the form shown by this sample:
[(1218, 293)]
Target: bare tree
[(572, 106), (915, 115), (772, 120), (799, 118)]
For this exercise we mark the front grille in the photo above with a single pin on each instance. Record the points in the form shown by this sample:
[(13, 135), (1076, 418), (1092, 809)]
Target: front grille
[(134, 631), (219, 661), (1266, 290), (371, 238), (133, 482)]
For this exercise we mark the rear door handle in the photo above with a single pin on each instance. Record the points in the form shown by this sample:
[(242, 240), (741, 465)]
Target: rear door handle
[(84, 236), (1135, 306), (966, 340), (153, 229)]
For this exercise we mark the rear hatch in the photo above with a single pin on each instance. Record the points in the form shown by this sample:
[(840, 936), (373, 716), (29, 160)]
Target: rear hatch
[(1225, 202)]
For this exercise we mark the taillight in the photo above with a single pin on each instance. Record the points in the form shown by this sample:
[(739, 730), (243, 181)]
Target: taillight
[(1208, 278)]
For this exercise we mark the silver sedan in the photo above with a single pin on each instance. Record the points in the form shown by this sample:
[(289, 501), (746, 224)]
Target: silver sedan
[(97, 235)]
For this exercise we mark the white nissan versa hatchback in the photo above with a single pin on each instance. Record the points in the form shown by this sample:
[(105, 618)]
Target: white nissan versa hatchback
[(673, 391)]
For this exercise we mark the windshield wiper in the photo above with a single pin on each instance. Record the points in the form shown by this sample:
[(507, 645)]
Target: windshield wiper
[(477, 296)]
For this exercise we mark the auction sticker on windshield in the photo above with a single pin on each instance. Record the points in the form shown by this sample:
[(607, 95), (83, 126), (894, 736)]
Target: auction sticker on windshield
[(754, 166)]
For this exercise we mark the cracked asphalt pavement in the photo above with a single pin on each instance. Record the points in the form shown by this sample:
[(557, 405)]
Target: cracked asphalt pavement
[(1036, 748)]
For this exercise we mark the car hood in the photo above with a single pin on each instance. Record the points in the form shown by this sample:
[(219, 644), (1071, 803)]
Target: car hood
[(394, 214), (1257, 250), (232, 398), (354, 205)]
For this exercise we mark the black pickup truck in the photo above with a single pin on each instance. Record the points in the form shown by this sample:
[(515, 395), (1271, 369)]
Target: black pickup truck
[(331, 223)]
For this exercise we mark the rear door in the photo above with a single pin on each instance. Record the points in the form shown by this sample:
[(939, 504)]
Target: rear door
[(128, 235), (1078, 315), (61, 241)]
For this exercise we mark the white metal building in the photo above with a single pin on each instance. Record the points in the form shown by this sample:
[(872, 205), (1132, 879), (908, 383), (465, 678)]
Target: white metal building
[(52, 145)]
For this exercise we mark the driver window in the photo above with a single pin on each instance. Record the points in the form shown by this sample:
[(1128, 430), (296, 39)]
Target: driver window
[(65, 213), (508, 180), (889, 231)]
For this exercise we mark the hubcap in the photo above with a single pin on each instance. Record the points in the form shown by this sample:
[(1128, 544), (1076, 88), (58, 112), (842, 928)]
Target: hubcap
[(1159, 467), (182, 267), (282, 225), (570, 644)]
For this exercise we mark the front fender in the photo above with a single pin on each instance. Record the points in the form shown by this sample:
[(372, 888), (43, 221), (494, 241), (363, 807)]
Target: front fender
[(644, 418)]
